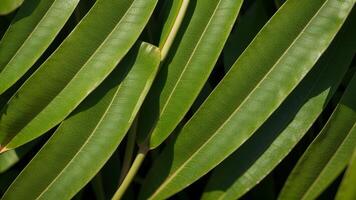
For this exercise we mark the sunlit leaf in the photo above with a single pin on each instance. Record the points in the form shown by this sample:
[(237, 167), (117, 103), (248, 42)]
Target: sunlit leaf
[(187, 68), (329, 153), (76, 68), (260, 80), (91, 134), (7, 6), (286, 127), (30, 33)]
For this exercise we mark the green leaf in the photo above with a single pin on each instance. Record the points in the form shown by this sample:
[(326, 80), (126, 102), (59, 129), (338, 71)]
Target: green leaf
[(32, 30), (8, 159), (187, 68), (329, 153), (76, 68), (260, 80), (85, 141), (7, 6), (347, 188), (246, 167)]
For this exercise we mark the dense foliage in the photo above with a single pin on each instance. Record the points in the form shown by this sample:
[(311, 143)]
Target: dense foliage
[(179, 99)]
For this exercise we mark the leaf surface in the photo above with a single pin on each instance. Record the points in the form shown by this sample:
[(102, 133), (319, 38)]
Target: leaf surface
[(247, 166), (8, 6), (187, 68), (85, 141), (346, 190), (76, 68), (32, 30), (328, 154), (260, 80)]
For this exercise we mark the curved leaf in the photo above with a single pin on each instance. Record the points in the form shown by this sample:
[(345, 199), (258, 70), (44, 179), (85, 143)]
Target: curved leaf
[(254, 88), (91, 134), (77, 67), (7, 6), (347, 188), (328, 154), (32, 30), (185, 71), (246, 167)]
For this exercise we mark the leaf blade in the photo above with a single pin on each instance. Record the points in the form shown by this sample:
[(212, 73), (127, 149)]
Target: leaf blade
[(8, 6), (69, 77), (238, 104), (29, 36), (328, 154), (346, 191), (91, 134), (247, 166), (189, 67)]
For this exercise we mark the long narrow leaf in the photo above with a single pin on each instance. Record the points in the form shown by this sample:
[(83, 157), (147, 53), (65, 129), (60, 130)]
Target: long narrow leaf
[(187, 68), (347, 188), (84, 142), (286, 127), (254, 88), (328, 154), (30, 33), (7, 6), (77, 67)]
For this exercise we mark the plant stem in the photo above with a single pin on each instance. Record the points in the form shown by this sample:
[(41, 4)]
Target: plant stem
[(130, 146), (178, 21), (131, 174)]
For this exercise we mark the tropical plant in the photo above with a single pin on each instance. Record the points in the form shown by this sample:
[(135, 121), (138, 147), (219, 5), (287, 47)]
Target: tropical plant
[(158, 99)]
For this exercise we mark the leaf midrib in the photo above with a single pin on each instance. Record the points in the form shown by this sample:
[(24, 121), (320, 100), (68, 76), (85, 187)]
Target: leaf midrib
[(84, 144), (188, 62), (309, 92), (237, 109), (78, 72), (307, 192), (29, 36)]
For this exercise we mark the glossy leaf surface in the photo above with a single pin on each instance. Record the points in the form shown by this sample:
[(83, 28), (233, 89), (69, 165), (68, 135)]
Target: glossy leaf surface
[(329, 153), (187, 68), (32, 30), (77, 67), (246, 167), (91, 134), (260, 80), (7, 6)]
